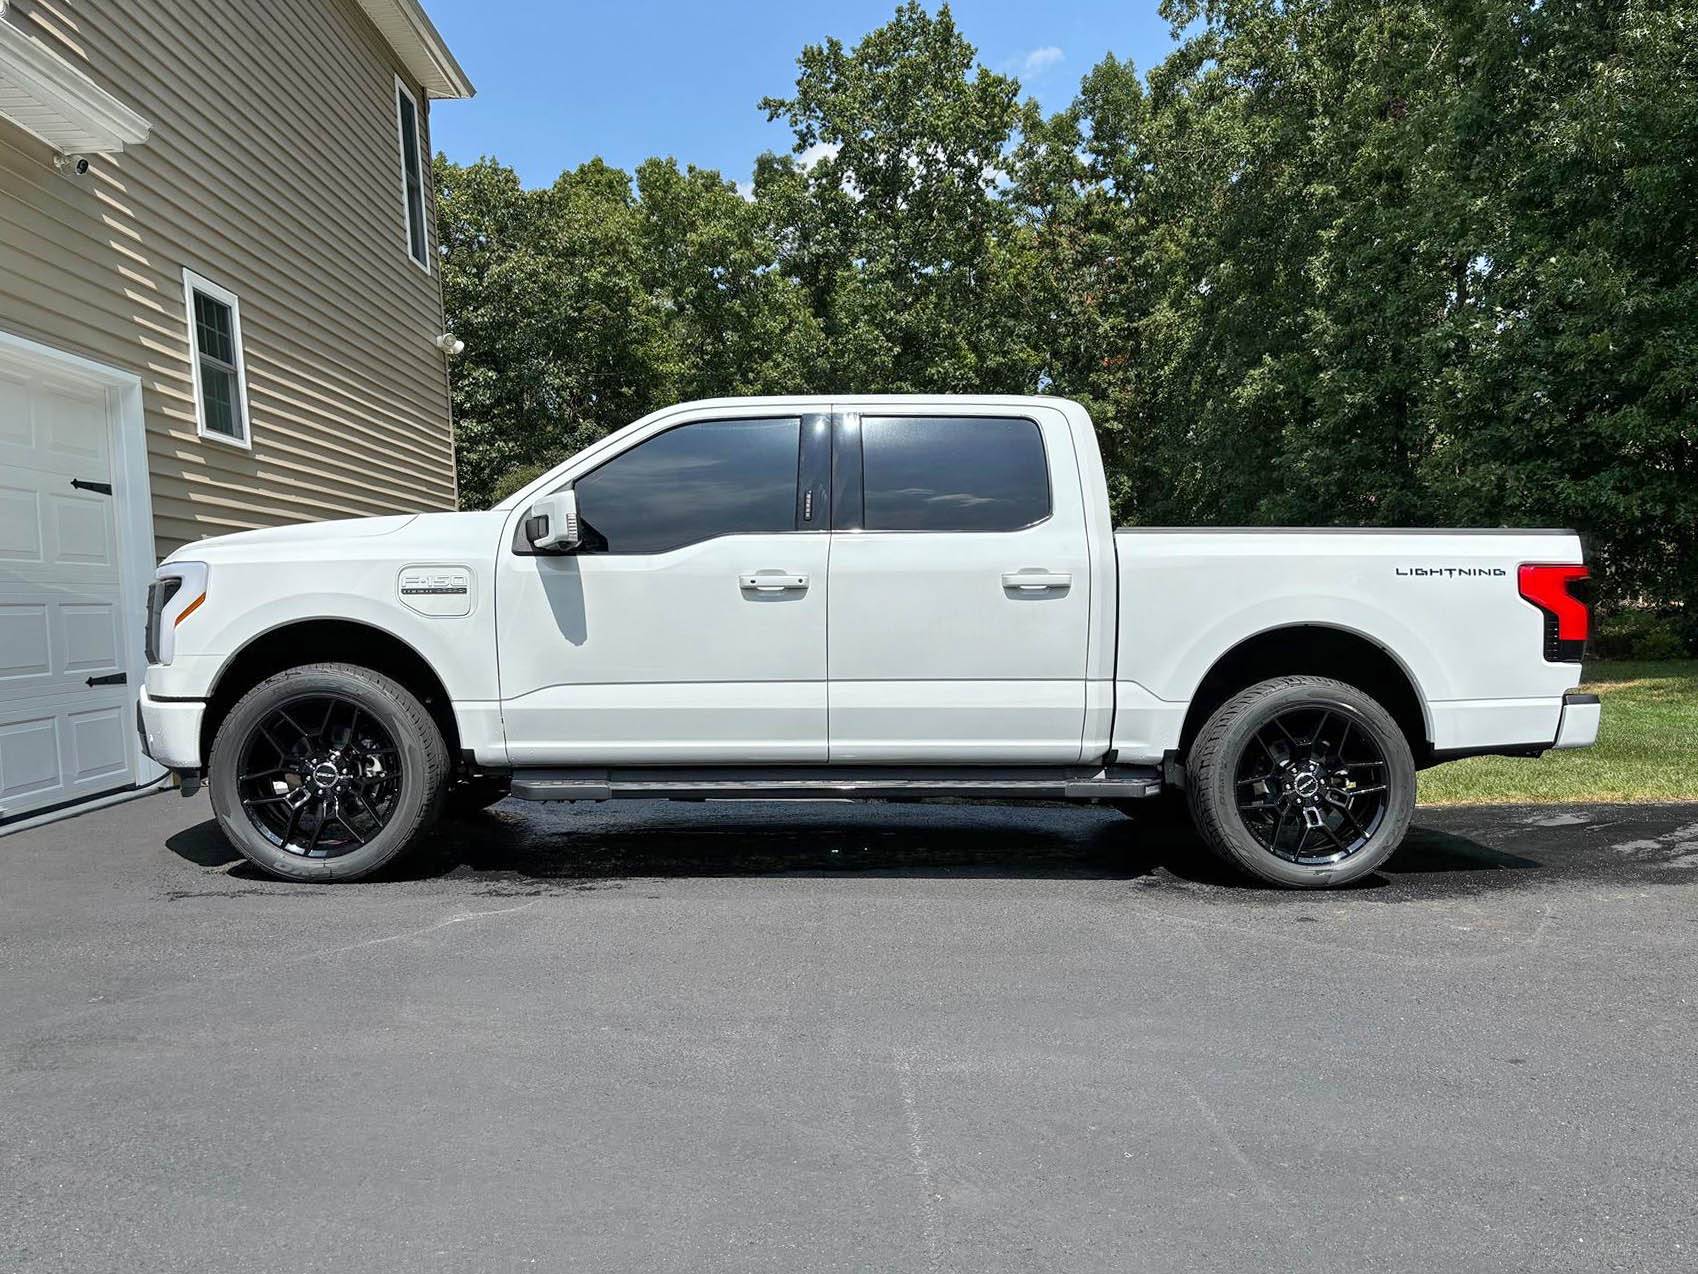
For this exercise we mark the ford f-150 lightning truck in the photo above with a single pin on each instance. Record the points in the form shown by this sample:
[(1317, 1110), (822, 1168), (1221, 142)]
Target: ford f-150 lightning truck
[(885, 598)]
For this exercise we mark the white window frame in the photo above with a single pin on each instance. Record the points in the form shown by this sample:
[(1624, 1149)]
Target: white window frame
[(193, 283), (406, 204)]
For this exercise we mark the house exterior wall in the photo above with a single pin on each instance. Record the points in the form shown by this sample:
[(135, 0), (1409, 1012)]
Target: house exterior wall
[(273, 170)]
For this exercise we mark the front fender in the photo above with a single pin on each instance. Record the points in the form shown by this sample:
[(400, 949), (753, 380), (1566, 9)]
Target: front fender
[(249, 601)]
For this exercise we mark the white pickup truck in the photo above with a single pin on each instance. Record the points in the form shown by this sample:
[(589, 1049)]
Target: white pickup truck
[(886, 598)]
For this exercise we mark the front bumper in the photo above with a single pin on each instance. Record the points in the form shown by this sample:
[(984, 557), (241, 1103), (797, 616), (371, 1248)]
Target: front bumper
[(1579, 725), (170, 730)]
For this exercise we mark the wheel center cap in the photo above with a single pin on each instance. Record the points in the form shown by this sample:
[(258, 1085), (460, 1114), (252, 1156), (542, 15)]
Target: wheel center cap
[(325, 774), (1306, 785)]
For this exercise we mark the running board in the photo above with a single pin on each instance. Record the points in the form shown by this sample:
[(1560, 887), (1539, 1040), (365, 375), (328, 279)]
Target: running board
[(885, 783)]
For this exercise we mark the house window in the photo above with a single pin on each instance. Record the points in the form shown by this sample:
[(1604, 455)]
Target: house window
[(220, 375), (412, 174)]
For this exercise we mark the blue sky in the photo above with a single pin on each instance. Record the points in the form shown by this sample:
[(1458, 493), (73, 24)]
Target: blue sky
[(559, 83)]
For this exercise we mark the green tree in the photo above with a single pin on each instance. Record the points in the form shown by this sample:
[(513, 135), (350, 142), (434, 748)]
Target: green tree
[(731, 323), (1574, 399), (586, 305), (545, 288), (1084, 250), (893, 230), (1330, 261)]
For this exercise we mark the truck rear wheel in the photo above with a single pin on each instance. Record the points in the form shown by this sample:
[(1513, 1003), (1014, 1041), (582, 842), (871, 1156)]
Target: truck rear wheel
[(326, 772), (1302, 781)]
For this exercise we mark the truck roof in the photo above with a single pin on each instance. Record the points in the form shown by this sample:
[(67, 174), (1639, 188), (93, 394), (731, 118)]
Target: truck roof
[(862, 400)]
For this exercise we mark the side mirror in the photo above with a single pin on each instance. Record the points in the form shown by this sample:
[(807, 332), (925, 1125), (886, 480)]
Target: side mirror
[(551, 524)]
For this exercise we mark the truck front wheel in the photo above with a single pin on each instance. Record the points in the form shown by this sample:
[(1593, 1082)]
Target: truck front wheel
[(326, 772), (1302, 781)]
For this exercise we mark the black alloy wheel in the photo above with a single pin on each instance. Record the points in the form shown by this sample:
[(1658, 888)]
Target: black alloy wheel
[(319, 776), (1312, 785), (326, 771), (1302, 781)]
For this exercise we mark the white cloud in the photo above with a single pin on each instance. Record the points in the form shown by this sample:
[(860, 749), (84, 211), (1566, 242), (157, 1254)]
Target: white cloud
[(818, 151), (1038, 61), (746, 191)]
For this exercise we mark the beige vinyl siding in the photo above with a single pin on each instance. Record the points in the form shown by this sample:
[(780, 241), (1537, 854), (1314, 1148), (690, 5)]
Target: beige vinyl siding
[(274, 170)]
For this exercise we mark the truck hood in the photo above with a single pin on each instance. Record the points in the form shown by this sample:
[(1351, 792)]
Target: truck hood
[(317, 538)]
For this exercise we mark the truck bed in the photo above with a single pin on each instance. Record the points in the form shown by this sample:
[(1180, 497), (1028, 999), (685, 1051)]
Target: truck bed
[(1443, 605)]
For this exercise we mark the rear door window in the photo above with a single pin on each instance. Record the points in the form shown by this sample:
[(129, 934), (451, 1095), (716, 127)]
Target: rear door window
[(953, 473)]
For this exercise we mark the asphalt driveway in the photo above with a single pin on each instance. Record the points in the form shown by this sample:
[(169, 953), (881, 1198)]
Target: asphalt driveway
[(780, 1038)]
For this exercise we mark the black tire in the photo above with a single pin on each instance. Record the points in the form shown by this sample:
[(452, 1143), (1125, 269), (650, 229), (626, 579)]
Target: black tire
[(474, 795), (373, 815), (1308, 749)]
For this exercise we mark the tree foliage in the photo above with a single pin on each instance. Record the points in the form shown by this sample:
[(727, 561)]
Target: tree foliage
[(1331, 261)]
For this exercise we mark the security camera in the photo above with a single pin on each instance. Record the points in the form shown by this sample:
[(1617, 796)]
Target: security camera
[(71, 165), (450, 344)]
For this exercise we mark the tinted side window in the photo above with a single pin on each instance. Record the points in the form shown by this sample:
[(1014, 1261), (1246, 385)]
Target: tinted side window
[(714, 477), (946, 473)]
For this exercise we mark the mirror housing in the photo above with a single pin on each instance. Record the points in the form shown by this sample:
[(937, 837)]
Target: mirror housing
[(551, 523)]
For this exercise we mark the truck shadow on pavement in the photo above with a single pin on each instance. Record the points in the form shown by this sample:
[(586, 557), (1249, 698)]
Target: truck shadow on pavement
[(585, 849)]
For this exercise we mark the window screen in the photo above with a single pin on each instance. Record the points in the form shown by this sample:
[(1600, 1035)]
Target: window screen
[(711, 478), (947, 473), (414, 179), (215, 346)]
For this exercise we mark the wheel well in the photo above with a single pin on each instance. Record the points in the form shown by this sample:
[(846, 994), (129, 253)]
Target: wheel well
[(328, 641), (1312, 650)]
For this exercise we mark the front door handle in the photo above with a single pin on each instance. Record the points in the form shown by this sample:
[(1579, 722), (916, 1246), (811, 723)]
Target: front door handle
[(1035, 581), (771, 582)]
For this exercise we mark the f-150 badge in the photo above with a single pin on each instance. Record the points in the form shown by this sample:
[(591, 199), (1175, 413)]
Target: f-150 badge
[(437, 590)]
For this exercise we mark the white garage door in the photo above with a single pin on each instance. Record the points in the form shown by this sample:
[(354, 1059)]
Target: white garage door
[(67, 724)]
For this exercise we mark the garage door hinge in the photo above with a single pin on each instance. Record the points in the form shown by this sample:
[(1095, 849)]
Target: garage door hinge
[(101, 488), (110, 679)]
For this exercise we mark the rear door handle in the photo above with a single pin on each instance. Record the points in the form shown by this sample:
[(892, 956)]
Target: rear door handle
[(771, 582), (1034, 581)]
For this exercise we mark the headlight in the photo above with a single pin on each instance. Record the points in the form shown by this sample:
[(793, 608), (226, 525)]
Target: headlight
[(178, 590)]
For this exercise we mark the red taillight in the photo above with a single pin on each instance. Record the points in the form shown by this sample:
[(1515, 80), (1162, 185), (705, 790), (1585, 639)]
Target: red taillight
[(1568, 619)]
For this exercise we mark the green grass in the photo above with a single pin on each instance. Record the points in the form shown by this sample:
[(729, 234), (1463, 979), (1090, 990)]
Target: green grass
[(1647, 748)]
